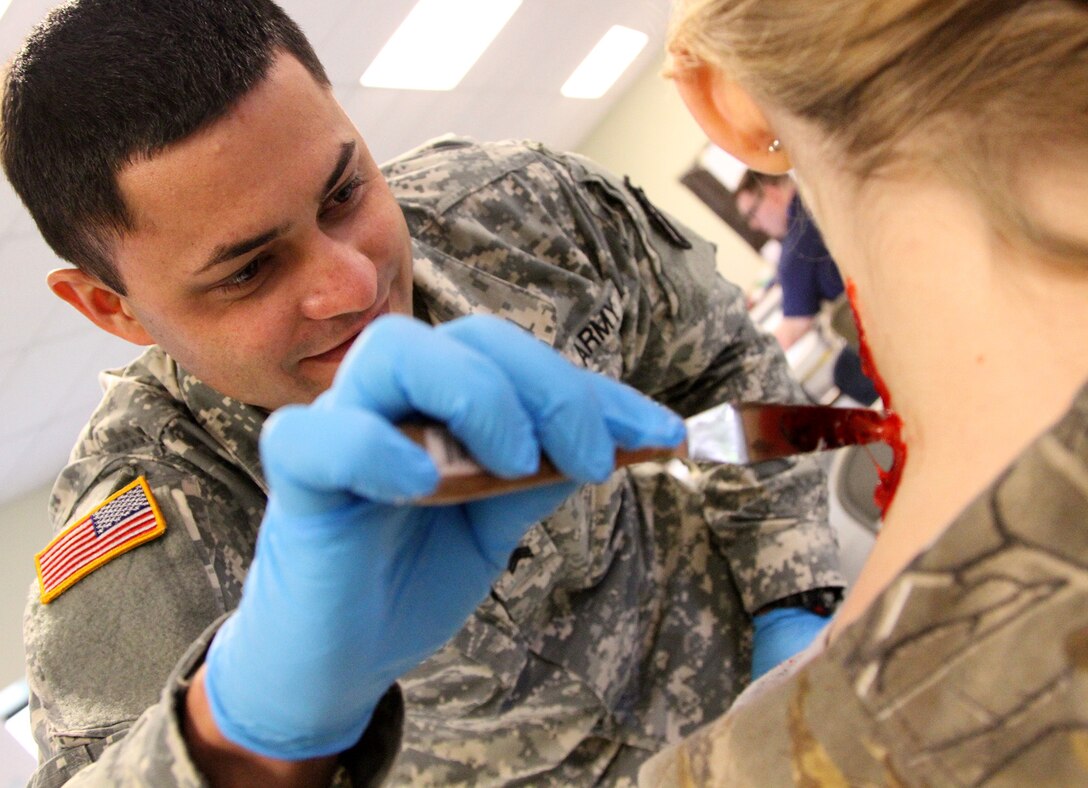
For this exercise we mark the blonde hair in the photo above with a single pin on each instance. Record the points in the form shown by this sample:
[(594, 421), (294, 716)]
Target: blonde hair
[(979, 90)]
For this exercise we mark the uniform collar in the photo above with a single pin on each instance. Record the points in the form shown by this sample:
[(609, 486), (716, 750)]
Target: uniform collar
[(234, 425)]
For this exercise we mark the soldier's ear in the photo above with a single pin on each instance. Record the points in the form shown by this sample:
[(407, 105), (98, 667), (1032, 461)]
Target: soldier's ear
[(731, 117), (99, 304)]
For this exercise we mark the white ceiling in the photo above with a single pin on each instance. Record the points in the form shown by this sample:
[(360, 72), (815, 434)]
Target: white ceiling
[(50, 355)]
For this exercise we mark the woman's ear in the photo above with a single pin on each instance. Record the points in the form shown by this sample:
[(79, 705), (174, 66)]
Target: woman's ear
[(731, 118), (98, 303)]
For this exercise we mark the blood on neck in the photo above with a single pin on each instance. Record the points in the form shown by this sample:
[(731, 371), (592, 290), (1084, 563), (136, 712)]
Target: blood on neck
[(892, 428)]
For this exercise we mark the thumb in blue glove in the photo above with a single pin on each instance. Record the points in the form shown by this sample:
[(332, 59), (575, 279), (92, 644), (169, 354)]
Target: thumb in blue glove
[(781, 633)]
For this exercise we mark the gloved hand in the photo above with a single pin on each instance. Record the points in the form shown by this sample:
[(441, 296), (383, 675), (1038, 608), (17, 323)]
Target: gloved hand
[(781, 633), (351, 587)]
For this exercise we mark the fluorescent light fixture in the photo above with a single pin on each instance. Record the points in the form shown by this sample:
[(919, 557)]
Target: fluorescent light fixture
[(605, 63), (4, 6), (437, 43)]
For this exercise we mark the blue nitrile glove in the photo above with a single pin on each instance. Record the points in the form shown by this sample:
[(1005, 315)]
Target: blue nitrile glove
[(350, 589), (781, 633)]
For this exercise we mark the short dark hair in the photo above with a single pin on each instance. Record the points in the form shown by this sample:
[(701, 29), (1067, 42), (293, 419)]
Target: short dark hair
[(100, 83)]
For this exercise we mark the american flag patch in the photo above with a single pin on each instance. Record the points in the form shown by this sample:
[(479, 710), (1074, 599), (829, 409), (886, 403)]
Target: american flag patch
[(126, 519)]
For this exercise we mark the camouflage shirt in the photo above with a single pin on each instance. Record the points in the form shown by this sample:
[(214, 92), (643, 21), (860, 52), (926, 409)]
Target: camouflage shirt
[(622, 622), (970, 669)]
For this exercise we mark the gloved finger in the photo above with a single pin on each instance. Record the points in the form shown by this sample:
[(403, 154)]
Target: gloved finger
[(441, 563), (635, 420), (400, 366), (431, 571), (562, 398), (569, 423), (781, 633), (319, 459), (499, 523)]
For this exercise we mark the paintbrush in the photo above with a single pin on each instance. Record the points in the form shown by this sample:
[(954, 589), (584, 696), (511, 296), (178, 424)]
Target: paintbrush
[(734, 434)]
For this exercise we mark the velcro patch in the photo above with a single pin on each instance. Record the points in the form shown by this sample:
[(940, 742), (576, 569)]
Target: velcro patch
[(126, 519)]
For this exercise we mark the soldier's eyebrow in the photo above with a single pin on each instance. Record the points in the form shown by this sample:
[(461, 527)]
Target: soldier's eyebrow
[(229, 251), (225, 252), (347, 153)]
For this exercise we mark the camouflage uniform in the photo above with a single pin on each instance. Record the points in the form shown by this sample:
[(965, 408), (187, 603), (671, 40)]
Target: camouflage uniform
[(970, 669), (623, 620)]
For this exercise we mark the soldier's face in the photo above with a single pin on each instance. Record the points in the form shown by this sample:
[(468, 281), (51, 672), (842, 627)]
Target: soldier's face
[(264, 243)]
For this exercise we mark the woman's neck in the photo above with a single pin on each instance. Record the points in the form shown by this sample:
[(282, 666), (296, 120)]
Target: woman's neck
[(982, 348)]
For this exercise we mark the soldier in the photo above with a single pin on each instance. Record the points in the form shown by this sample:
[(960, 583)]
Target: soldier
[(950, 189), (189, 158)]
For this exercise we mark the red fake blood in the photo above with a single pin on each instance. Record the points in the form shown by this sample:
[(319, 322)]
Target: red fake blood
[(784, 430), (892, 427)]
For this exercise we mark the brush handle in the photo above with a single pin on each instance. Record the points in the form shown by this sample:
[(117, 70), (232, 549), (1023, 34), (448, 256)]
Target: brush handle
[(462, 479), (740, 434)]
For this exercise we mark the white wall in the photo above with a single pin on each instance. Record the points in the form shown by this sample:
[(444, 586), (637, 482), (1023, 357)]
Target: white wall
[(25, 530), (650, 136)]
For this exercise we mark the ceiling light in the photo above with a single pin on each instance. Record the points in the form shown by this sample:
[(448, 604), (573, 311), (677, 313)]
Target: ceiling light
[(438, 43), (605, 63)]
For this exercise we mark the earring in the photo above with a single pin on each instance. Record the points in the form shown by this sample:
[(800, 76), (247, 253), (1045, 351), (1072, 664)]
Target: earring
[(775, 146)]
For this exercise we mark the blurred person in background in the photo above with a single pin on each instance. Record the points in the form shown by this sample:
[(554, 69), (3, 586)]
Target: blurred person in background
[(950, 188), (808, 277)]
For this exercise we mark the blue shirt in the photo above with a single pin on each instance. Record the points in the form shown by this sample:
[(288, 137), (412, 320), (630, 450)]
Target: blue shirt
[(806, 272)]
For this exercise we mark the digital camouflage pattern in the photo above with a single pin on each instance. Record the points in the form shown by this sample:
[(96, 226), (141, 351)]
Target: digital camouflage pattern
[(971, 669), (623, 621)]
